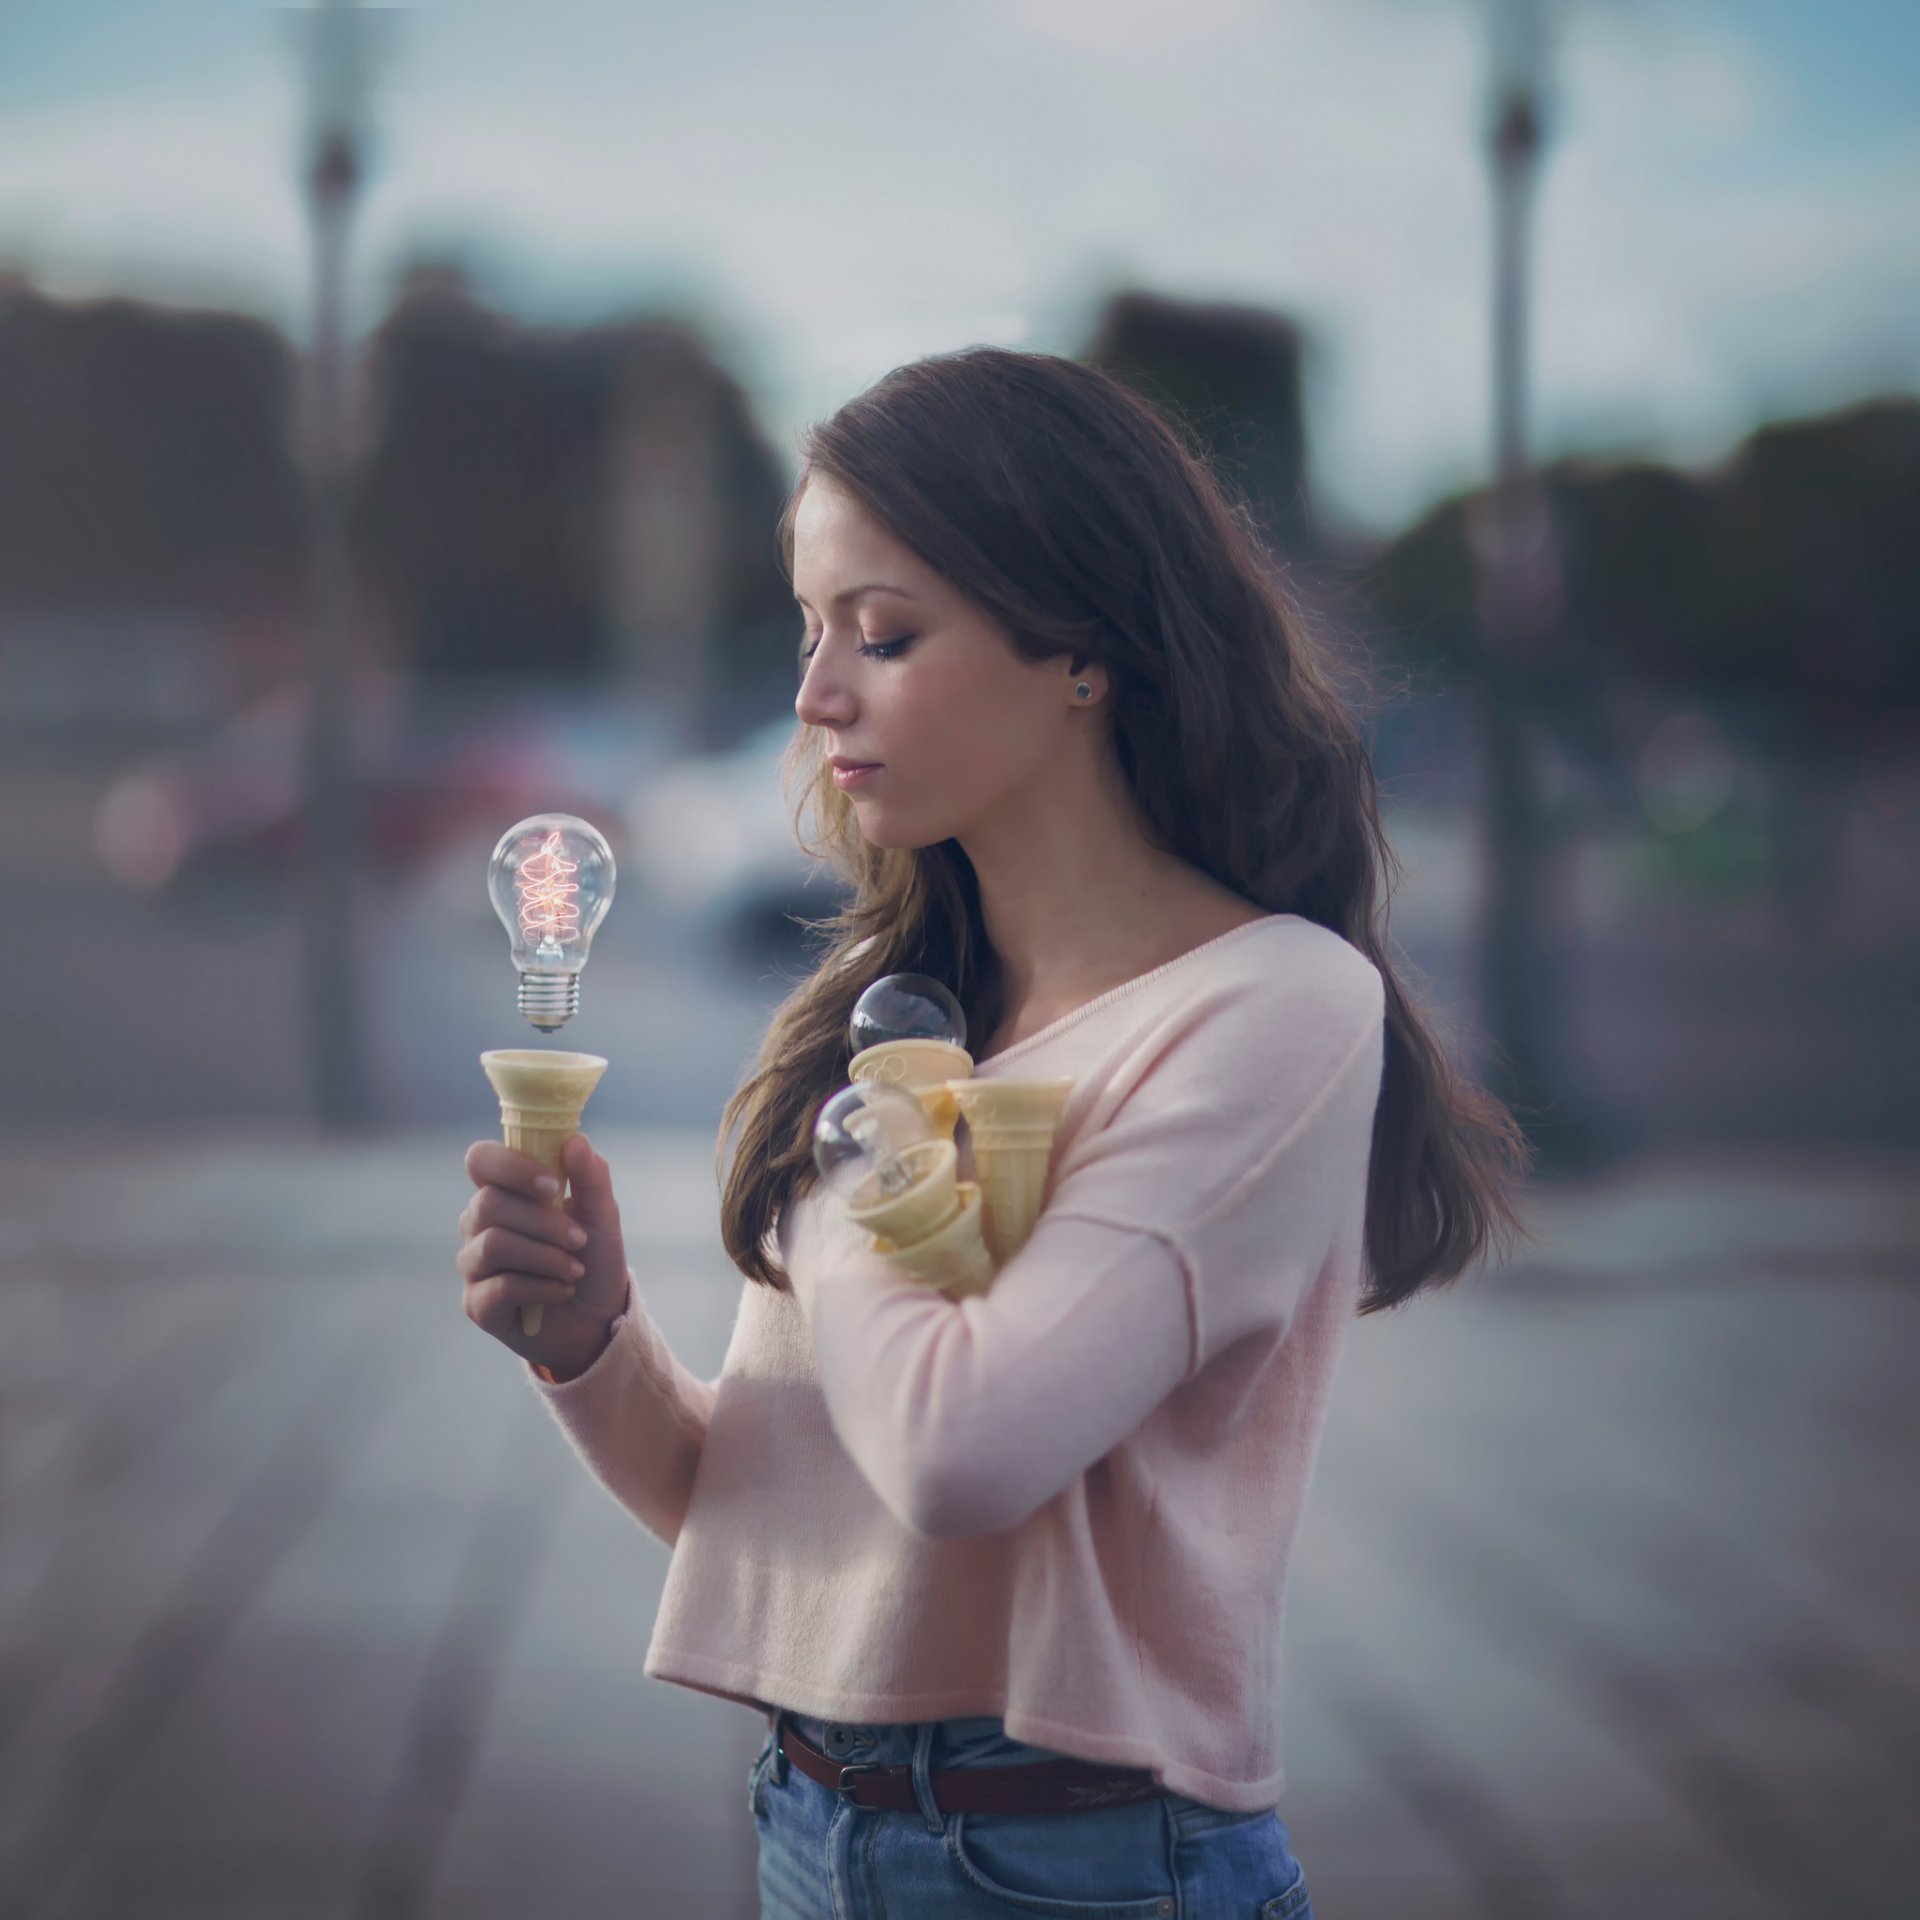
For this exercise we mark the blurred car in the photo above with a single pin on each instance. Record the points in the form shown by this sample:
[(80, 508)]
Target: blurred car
[(712, 839), (431, 762)]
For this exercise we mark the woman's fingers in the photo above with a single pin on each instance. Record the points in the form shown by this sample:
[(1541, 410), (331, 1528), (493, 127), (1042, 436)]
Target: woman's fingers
[(501, 1250), (492, 1164), (493, 1302), (520, 1249), (590, 1181), (535, 1219)]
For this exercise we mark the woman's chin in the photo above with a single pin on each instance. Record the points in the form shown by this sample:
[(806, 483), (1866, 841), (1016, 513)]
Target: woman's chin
[(878, 830)]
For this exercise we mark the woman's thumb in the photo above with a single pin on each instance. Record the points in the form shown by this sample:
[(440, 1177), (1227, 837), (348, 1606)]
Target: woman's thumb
[(590, 1198)]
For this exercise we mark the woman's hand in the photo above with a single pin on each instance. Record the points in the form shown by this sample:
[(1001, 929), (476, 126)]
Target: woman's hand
[(520, 1247)]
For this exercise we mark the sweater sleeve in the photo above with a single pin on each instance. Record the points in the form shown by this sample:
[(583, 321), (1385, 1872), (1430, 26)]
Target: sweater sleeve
[(1195, 1204), (638, 1419)]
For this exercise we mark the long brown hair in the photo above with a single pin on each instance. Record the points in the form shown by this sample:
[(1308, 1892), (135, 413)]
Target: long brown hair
[(1077, 516)]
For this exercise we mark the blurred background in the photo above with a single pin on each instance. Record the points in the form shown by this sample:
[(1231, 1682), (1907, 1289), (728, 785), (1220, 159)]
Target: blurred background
[(395, 408)]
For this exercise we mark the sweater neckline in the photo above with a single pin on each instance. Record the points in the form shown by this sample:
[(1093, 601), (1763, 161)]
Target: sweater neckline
[(1125, 987)]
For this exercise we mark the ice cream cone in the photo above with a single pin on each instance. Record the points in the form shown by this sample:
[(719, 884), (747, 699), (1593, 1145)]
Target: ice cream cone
[(924, 1207), (1011, 1124), (953, 1258), (923, 1067), (542, 1096)]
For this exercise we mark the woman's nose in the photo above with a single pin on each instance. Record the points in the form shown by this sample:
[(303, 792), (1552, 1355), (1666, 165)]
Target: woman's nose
[(819, 703)]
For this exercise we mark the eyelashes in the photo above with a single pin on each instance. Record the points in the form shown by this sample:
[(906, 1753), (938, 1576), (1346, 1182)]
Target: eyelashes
[(879, 650)]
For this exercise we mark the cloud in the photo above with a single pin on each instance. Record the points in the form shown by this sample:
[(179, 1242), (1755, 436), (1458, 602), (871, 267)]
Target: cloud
[(1128, 28)]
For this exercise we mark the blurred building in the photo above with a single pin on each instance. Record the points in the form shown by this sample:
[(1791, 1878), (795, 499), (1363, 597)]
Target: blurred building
[(583, 505), (151, 520), (1230, 376), (583, 508)]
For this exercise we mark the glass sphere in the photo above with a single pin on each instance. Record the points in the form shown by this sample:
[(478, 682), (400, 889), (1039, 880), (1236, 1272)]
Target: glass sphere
[(906, 1006), (859, 1138)]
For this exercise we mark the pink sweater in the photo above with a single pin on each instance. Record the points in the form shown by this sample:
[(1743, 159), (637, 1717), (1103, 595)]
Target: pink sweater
[(1069, 1501)]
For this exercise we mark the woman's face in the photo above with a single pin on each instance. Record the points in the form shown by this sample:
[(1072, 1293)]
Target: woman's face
[(963, 729)]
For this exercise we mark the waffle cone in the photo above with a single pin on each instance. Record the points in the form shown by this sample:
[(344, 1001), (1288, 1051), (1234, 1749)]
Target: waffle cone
[(542, 1096), (925, 1207), (953, 1258), (1011, 1124), (922, 1067)]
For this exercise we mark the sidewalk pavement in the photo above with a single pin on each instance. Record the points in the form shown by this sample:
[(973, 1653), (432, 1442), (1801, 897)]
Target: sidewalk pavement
[(1605, 1599)]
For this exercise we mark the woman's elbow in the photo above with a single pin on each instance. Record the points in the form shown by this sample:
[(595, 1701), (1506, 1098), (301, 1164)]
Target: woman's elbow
[(958, 1506)]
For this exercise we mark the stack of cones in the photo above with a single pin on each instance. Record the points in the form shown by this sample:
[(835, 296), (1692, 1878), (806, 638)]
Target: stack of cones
[(542, 1096), (932, 1229), (956, 1234)]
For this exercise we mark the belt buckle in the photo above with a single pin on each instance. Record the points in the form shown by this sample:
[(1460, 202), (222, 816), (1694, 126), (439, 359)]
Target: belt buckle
[(858, 1766)]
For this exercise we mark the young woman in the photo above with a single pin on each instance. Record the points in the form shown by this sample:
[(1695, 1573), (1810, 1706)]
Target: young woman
[(1006, 1574)]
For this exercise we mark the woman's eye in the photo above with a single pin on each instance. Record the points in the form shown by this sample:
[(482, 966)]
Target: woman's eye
[(878, 650)]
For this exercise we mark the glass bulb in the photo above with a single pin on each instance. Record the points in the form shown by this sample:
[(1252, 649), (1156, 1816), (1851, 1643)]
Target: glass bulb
[(860, 1136), (551, 882), (906, 1006)]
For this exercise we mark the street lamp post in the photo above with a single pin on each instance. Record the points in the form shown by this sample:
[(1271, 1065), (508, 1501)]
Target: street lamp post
[(1521, 995), (336, 70)]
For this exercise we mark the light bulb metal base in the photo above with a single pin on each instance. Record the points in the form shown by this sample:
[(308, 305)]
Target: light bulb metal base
[(549, 1000), (921, 1208)]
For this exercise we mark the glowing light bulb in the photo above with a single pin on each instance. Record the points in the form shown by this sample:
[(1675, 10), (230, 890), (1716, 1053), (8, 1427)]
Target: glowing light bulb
[(906, 1006), (551, 882), (861, 1136)]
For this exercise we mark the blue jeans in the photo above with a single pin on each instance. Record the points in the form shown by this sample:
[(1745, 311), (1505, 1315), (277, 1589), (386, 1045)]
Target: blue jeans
[(822, 1858)]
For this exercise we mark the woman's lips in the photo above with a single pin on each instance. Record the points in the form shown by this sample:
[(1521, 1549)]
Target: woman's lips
[(854, 776)]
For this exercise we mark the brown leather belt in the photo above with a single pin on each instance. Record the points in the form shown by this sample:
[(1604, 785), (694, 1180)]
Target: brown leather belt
[(1047, 1786)]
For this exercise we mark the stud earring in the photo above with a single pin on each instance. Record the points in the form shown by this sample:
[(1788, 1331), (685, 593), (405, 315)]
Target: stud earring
[(1084, 691)]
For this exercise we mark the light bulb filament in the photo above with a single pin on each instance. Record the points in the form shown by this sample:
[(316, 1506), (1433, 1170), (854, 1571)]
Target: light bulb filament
[(547, 912)]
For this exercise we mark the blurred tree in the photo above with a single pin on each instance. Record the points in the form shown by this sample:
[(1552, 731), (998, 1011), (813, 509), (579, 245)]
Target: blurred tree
[(1782, 586), (1632, 541), (1813, 597), (1793, 571), (1812, 570), (1421, 590)]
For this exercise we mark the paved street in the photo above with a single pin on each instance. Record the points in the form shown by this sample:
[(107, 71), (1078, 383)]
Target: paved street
[(1605, 1603), (1606, 1600)]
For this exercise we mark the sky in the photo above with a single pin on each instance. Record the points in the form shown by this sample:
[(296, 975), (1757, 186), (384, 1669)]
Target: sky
[(1728, 218)]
